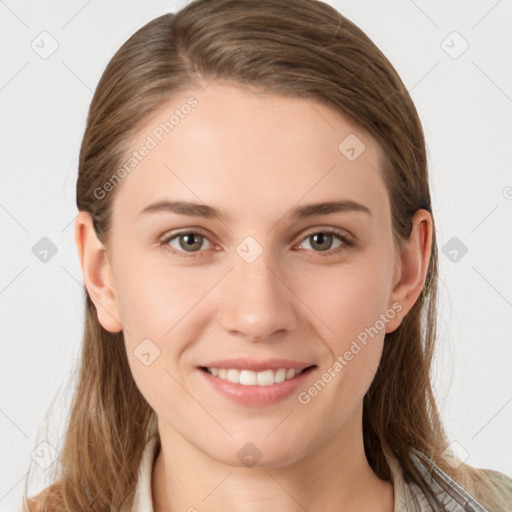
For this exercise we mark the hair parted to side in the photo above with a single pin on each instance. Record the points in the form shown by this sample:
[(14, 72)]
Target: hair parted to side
[(303, 48)]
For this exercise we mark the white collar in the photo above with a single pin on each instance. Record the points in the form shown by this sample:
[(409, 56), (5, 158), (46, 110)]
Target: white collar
[(143, 501)]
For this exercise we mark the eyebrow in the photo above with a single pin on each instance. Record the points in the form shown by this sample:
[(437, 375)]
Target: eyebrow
[(208, 212)]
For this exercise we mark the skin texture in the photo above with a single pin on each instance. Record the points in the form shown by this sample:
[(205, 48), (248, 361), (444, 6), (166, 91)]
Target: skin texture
[(255, 157)]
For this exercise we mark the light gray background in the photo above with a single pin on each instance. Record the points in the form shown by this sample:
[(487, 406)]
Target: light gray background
[(465, 104)]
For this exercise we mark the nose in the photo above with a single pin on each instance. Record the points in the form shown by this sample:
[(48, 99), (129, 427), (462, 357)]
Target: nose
[(256, 300)]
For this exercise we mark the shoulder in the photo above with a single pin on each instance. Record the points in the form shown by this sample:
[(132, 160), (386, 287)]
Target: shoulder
[(470, 487), (502, 482)]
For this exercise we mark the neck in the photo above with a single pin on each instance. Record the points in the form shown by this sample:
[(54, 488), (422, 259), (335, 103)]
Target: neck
[(335, 476)]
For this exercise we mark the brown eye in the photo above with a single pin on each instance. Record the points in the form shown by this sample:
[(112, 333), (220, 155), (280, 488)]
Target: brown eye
[(321, 241), (327, 241), (188, 241)]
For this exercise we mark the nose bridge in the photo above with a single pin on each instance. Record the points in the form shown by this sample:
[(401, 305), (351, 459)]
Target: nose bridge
[(257, 302)]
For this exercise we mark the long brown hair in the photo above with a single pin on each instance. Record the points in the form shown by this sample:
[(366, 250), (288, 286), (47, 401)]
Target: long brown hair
[(303, 48)]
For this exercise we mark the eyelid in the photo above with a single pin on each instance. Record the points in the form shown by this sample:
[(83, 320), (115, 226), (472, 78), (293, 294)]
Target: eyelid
[(343, 234), (184, 231), (347, 239)]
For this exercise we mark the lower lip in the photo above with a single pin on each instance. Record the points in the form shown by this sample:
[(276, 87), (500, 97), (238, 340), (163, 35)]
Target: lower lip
[(257, 395)]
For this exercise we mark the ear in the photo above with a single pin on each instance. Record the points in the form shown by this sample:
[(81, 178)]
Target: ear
[(97, 273), (411, 267)]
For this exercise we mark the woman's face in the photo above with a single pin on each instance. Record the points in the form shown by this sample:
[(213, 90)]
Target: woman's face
[(266, 277)]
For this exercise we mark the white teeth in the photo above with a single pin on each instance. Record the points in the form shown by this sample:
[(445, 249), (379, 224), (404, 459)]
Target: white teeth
[(250, 378)]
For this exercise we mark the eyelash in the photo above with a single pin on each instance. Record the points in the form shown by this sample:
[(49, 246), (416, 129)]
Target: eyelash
[(347, 242)]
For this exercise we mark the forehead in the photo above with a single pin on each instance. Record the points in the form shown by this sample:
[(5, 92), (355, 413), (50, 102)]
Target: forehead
[(259, 153)]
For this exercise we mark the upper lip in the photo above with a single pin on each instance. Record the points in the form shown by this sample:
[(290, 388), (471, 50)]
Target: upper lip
[(257, 366)]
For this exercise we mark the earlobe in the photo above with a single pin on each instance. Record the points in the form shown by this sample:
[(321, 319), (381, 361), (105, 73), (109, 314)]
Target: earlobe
[(412, 267), (96, 273)]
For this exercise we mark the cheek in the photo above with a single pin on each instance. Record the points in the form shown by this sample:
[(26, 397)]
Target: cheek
[(346, 299), (159, 307), (155, 303), (154, 297)]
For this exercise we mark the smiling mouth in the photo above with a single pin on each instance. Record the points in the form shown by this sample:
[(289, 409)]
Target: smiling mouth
[(253, 378)]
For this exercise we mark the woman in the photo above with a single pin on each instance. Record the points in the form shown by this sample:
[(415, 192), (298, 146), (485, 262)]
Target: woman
[(260, 266)]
